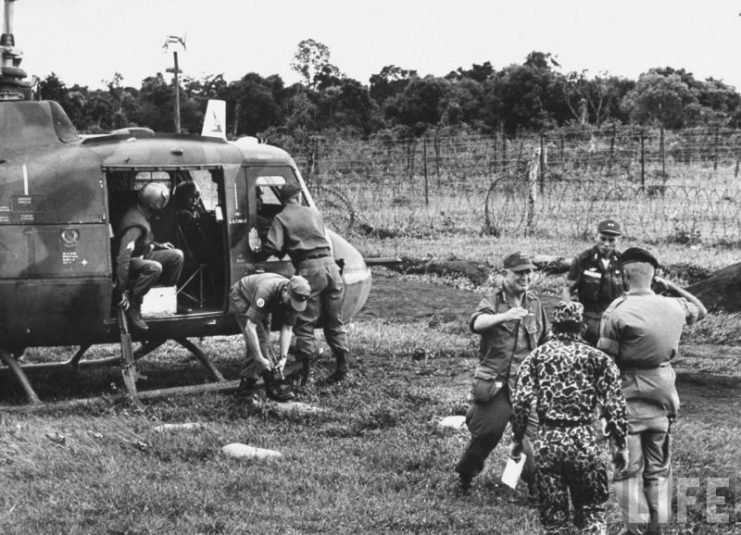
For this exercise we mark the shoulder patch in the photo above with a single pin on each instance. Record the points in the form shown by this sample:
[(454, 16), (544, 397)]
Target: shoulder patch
[(260, 302)]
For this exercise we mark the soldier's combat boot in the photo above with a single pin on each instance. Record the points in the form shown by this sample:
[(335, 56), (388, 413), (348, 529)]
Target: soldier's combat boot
[(340, 374), (247, 390), (134, 315), (305, 373), (275, 388)]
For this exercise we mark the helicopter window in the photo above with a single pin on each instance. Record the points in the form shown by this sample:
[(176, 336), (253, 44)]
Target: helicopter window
[(208, 188), (150, 176)]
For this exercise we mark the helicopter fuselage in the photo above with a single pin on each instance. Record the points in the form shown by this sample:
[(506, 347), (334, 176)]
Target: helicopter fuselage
[(60, 194)]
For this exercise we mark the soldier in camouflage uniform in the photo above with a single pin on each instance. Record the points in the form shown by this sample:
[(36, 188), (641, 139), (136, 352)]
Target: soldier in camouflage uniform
[(565, 380)]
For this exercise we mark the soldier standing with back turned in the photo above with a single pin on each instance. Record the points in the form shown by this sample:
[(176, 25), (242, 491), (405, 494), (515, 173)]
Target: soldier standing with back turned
[(299, 231), (641, 331)]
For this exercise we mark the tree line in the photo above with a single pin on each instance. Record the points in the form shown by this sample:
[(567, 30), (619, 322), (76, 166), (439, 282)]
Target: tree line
[(399, 103)]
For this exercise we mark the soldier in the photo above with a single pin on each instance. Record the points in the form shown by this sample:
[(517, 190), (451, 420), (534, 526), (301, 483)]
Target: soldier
[(594, 278), (256, 300), (511, 323), (641, 331), (140, 261), (563, 381), (299, 231)]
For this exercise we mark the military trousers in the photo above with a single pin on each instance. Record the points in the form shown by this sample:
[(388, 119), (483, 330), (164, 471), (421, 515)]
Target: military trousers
[(325, 304), (486, 422), (162, 267), (568, 465)]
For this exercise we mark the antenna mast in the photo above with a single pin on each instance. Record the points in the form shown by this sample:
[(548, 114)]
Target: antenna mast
[(13, 85)]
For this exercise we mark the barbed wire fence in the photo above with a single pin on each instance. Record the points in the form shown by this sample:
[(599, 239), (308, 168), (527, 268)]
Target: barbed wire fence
[(679, 185)]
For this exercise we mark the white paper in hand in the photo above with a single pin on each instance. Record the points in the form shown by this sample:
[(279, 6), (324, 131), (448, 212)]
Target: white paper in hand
[(512, 471)]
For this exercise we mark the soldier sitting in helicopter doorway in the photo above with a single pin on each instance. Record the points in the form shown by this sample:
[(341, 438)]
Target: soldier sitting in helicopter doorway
[(140, 261)]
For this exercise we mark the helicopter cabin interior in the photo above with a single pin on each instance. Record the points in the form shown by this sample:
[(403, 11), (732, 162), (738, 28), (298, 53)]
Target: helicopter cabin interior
[(214, 256), (192, 223)]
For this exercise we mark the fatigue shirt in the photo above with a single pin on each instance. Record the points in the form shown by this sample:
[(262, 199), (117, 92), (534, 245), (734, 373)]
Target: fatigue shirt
[(501, 349), (596, 286), (133, 225), (296, 230), (641, 331), (263, 293), (565, 379)]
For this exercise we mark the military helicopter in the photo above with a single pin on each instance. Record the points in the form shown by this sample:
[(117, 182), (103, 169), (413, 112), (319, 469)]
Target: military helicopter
[(59, 192)]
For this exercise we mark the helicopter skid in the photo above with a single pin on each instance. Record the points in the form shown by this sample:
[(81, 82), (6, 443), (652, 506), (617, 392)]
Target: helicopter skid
[(127, 362)]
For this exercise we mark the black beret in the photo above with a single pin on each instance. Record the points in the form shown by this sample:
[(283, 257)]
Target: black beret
[(636, 254)]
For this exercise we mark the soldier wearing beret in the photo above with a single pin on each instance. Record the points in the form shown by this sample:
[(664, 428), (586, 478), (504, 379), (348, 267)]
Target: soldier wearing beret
[(641, 331), (512, 322), (298, 230), (594, 278), (563, 381)]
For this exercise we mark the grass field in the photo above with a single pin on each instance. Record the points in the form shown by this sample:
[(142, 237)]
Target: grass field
[(374, 461)]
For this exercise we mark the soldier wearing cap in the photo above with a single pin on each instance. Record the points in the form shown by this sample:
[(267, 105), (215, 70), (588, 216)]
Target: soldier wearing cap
[(563, 381), (142, 262), (299, 231), (594, 278), (512, 322), (256, 300), (641, 331)]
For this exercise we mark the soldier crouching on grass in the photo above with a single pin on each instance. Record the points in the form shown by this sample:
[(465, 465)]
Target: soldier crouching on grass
[(512, 322), (255, 300), (563, 381)]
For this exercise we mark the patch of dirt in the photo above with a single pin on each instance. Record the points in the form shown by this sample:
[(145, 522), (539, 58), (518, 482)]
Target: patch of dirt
[(396, 300)]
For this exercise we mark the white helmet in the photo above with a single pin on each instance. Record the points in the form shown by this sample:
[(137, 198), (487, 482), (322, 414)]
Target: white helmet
[(154, 195)]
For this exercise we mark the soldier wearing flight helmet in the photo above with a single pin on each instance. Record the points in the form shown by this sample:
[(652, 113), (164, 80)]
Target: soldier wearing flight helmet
[(140, 261)]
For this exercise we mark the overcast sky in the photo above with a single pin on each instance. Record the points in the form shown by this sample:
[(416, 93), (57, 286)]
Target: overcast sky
[(87, 41)]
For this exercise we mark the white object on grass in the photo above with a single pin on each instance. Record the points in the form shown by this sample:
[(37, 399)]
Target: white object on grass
[(297, 406), (512, 471), (187, 426), (453, 422), (243, 451)]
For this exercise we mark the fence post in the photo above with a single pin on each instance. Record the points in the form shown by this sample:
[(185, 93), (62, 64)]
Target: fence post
[(541, 171), (563, 161), (411, 154), (643, 160), (662, 154), (532, 191), (612, 148), (504, 150), (424, 169), (436, 141)]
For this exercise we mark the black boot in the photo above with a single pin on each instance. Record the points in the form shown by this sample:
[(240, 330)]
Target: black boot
[(247, 390), (305, 374), (275, 388), (134, 315), (340, 374)]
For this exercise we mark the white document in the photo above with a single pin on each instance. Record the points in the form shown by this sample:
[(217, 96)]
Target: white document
[(512, 471)]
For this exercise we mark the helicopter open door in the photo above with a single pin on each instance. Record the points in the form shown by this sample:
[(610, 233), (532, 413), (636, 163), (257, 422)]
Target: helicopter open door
[(195, 225)]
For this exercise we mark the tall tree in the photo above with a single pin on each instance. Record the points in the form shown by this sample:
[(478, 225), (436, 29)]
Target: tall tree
[(311, 62), (662, 99)]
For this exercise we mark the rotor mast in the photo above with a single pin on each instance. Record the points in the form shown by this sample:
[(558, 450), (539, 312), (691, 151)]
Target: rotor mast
[(13, 83)]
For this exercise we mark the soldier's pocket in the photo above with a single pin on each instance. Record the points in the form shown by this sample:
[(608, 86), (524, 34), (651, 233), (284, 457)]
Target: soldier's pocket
[(484, 390)]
